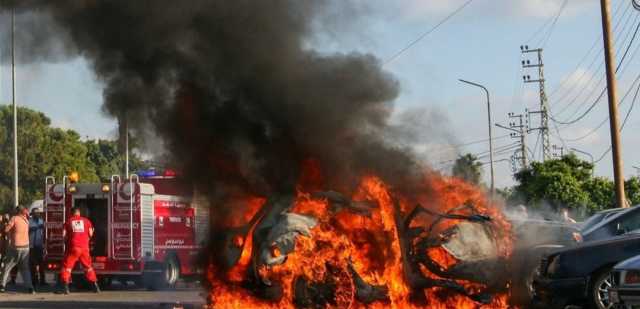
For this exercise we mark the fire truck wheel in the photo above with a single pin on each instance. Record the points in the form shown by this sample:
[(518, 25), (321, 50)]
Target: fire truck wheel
[(80, 282), (167, 278), (104, 282)]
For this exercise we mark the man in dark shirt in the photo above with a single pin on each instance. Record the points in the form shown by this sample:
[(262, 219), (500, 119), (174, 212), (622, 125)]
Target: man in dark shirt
[(36, 247)]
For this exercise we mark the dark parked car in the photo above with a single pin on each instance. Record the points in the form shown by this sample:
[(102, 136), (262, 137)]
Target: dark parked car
[(625, 279), (603, 224), (581, 275), (534, 239), (598, 217)]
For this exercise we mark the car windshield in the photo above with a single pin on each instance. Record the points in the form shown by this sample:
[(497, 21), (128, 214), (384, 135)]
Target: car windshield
[(591, 221)]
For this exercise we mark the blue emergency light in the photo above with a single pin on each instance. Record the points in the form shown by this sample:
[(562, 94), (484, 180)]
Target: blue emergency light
[(147, 173)]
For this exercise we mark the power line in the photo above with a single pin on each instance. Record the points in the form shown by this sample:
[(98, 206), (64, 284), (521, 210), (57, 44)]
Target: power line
[(486, 152), (443, 148), (478, 141), (597, 40), (535, 148), (607, 118), (599, 71), (553, 25), (604, 90), (624, 122), (422, 36), (622, 101), (633, 55), (540, 30)]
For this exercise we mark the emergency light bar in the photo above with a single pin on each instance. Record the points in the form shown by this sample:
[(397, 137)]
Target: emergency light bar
[(154, 173), (147, 173)]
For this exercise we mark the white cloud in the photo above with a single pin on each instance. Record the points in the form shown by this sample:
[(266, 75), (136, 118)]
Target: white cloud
[(544, 8), (417, 9), (577, 79)]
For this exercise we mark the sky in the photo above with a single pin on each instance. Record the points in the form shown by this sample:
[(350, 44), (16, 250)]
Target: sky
[(481, 44)]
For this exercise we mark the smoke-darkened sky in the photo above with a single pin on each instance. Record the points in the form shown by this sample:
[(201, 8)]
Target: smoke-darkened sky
[(480, 44)]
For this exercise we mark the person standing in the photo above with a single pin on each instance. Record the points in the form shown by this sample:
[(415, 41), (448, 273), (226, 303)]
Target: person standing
[(3, 240), (565, 217), (18, 249), (36, 247), (78, 230)]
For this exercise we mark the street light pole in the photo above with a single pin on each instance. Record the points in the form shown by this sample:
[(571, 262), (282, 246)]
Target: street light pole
[(588, 155), (16, 197), (490, 131), (126, 148)]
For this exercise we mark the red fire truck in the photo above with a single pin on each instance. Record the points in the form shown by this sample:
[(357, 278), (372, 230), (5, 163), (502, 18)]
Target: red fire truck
[(148, 230)]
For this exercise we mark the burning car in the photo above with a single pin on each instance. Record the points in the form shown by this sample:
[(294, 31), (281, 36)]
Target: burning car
[(324, 249)]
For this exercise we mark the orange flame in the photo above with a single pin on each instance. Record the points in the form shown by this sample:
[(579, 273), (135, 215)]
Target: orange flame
[(370, 244)]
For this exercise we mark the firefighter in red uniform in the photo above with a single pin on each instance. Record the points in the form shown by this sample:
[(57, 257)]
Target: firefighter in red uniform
[(78, 230)]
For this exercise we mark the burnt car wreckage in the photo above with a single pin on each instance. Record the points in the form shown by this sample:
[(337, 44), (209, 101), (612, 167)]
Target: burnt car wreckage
[(274, 224), (479, 262)]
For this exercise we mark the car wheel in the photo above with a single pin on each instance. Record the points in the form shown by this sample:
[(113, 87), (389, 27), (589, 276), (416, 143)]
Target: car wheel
[(522, 288), (528, 281), (599, 290)]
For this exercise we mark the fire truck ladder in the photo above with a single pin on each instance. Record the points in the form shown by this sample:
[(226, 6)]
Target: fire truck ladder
[(115, 180), (132, 190), (51, 180)]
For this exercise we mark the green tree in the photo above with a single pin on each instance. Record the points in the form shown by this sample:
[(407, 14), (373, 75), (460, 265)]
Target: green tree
[(46, 151), (468, 167), (42, 151), (558, 182), (106, 160), (632, 190), (601, 193)]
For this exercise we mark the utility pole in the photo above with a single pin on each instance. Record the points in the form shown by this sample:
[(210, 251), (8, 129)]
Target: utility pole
[(16, 197), (522, 129), (544, 110), (614, 121), (518, 129)]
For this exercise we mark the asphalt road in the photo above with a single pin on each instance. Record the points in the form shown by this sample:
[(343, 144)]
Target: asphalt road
[(186, 297)]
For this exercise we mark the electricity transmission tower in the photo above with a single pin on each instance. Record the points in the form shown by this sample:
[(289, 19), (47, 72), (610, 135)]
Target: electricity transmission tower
[(544, 110), (518, 131)]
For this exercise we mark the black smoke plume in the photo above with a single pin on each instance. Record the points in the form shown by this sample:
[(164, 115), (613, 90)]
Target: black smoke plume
[(233, 88)]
